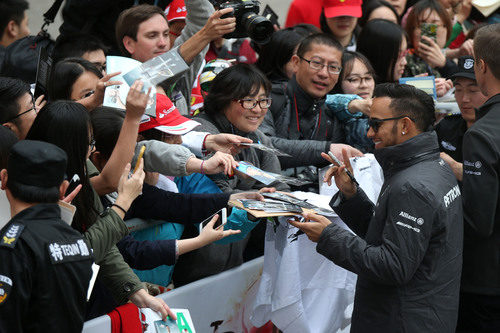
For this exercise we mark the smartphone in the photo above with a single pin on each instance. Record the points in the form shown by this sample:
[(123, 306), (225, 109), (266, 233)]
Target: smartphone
[(141, 153), (73, 183), (220, 221), (271, 15), (429, 30), (169, 326)]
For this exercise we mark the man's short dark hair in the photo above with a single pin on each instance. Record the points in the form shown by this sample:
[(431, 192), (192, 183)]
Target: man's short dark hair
[(487, 47), (129, 20), (317, 39), (75, 46), (409, 101), (10, 91), (33, 194), (11, 10)]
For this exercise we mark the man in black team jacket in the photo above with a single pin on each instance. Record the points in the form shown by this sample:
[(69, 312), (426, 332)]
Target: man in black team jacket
[(451, 129), (407, 250), (480, 290), (298, 122), (45, 264)]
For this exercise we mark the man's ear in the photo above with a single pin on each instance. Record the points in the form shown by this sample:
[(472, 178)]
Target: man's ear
[(63, 188), (3, 178), (12, 29), (408, 126), (129, 44), (482, 66)]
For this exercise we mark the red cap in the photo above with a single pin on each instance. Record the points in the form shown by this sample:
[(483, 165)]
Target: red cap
[(176, 11), (335, 8), (168, 118)]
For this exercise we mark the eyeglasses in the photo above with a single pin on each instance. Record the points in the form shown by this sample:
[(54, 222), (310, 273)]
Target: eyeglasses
[(250, 103), (24, 112), (375, 123), (317, 66), (357, 80)]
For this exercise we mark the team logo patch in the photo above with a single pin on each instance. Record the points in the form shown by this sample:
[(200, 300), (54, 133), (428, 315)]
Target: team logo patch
[(478, 165), (469, 63), (420, 221), (61, 252), (5, 287), (10, 237)]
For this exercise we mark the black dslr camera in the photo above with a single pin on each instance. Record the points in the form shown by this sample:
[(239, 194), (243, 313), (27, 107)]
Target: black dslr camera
[(248, 21)]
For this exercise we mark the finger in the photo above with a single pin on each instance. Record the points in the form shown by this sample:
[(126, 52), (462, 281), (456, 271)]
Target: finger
[(230, 232), (347, 161), (171, 313), (221, 12), (327, 157), (328, 176), (109, 76), (212, 221), (126, 171), (73, 194), (113, 83), (140, 166)]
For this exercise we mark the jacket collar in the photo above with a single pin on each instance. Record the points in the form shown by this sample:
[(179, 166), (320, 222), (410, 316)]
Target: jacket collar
[(39, 212), (412, 151), (485, 108), (304, 101)]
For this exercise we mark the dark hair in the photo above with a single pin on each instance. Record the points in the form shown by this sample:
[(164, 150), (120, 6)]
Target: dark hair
[(66, 124), (370, 6), (409, 101), (10, 91), (11, 10), (318, 39), (107, 123), (348, 58), (75, 46), (65, 74), (7, 140), (271, 62), (305, 29), (380, 41), (487, 47), (129, 20), (413, 22), (232, 83)]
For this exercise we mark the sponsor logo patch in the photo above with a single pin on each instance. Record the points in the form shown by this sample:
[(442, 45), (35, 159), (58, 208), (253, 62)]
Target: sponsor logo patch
[(451, 195)]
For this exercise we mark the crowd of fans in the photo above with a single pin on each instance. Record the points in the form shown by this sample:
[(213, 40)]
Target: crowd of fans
[(326, 82)]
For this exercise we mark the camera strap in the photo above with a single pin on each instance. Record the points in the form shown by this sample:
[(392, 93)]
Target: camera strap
[(50, 15)]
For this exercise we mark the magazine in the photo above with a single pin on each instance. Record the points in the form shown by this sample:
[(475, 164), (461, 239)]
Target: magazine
[(301, 203), (262, 147), (271, 206)]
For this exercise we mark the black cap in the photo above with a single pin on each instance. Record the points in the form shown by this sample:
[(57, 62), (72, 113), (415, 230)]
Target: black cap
[(465, 68), (36, 164)]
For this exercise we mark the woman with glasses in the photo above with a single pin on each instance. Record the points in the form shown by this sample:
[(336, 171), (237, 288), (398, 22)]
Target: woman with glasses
[(428, 27), (353, 98), (237, 103)]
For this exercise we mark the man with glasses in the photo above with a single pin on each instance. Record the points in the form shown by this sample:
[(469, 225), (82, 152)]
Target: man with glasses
[(407, 250), (298, 122), (17, 108)]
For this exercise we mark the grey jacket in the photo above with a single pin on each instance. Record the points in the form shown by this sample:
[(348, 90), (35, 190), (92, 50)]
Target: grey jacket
[(167, 159), (198, 12), (408, 248), (300, 126), (263, 160)]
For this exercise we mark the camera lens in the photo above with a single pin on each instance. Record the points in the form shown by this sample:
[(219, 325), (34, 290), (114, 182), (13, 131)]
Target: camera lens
[(257, 27)]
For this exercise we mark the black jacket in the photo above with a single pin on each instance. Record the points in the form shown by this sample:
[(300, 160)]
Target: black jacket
[(45, 269), (300, 126), (481, 189), (450, 132), (408, 252)]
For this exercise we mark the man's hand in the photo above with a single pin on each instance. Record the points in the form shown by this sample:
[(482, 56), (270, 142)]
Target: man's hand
[(97, 97), (246, 196), (338, 150), (142, 299), (456, 167), (40, 103), (342, 180), (442, 86), (314, 229), (226, 143), (360, 105), (137, 100), (217, 27)]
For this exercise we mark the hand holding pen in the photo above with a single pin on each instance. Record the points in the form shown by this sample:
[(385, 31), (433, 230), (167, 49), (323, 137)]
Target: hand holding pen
[(342, 174)]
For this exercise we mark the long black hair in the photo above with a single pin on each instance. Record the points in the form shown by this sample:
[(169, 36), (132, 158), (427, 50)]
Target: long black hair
[(380, 41), (232, 83), (66, 124), (65, 74)]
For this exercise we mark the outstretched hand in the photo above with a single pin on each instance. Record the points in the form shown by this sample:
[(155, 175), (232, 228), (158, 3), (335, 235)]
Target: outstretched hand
[(313, 229), (226, 143)]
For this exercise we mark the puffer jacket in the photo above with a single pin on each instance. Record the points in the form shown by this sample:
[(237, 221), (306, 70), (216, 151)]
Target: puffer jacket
[(408, 248)]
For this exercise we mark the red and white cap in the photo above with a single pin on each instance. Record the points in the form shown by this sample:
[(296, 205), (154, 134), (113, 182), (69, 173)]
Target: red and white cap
[(176, 11), (335, 8), (168, 118)]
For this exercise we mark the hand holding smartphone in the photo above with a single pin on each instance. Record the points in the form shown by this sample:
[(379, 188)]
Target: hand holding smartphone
[(428, 30), (221, 220)]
